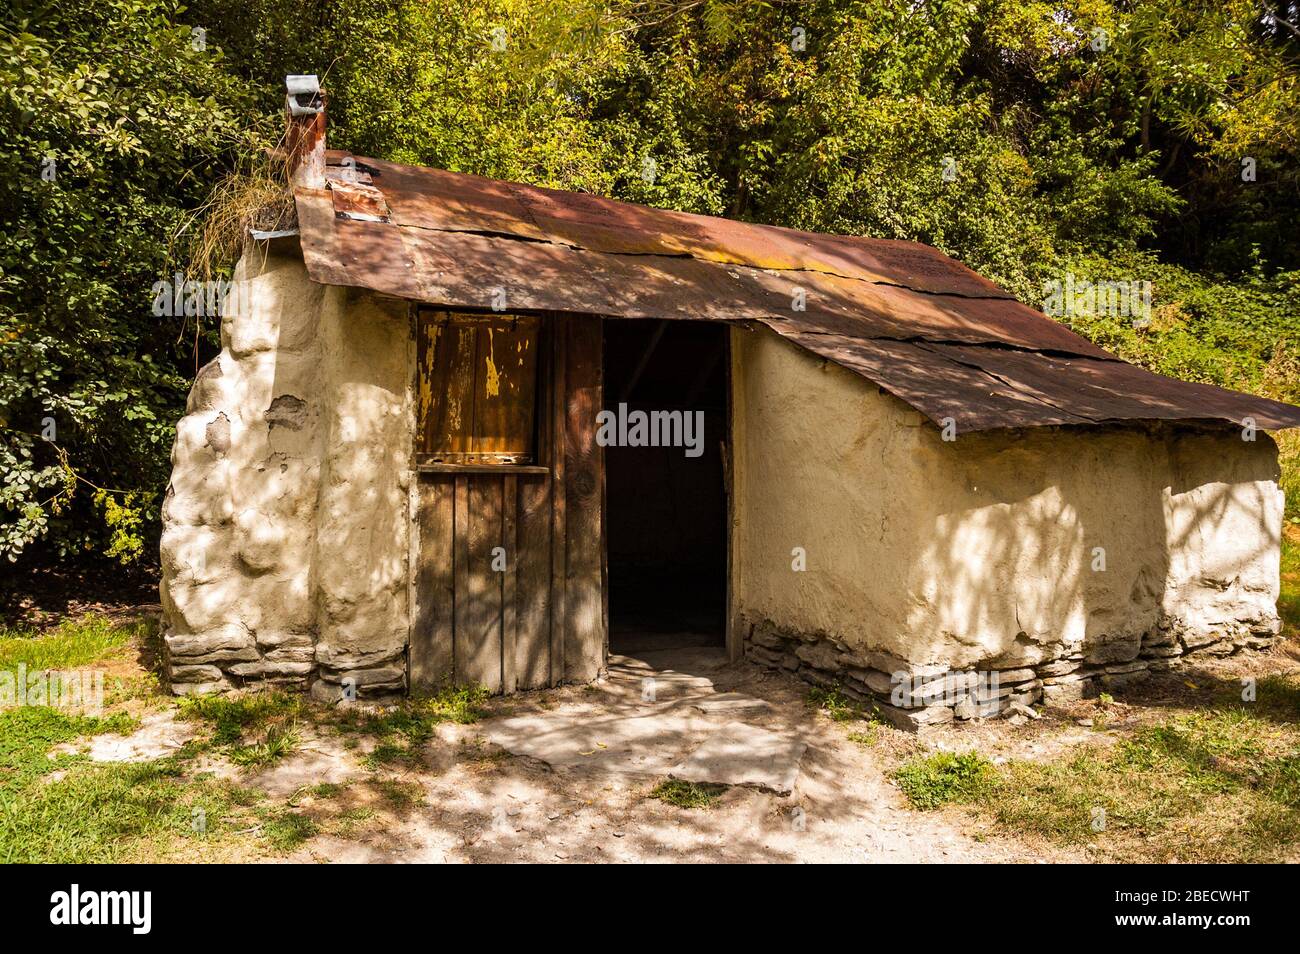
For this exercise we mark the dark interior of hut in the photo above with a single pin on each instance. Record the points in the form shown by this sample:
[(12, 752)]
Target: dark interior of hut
[(665, 382)]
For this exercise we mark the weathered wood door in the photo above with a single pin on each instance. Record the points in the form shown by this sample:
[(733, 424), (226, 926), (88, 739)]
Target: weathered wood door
[(508, 548)]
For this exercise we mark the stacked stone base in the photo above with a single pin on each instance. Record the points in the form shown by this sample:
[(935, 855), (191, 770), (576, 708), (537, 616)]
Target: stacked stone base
[(233, 658), (914, 696)]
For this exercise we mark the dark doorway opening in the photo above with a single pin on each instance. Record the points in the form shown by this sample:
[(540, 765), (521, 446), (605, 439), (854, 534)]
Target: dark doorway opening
[(666, 506)]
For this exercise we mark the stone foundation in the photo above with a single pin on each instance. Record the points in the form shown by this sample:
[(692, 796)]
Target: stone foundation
[(914, 696)]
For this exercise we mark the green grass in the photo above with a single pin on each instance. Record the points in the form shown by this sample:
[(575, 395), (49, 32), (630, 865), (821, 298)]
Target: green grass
[(1219, 785), (105, 813), (835, 704), (401, 730), (1288, 602), (944, 777), (27, 733), (868, 737), (74, 642), (400, 794), (71, 810), (286, 830), (232, 716), (278, 741), (688, 794), (253, 730), (93, 813), (459, 704)]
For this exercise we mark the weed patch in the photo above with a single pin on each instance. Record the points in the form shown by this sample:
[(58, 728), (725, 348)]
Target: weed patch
[(944, 777), (688, 794), (835, 704)]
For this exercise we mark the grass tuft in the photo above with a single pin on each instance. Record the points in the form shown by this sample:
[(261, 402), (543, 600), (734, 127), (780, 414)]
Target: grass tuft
[(232, 716), (285, 831), (688, 794), (835, 704), (945, 777)]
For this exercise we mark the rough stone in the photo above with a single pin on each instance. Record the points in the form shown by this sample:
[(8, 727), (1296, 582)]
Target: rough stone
[(914, 720), (1059, 667), (819, 656), (268, 667), (1121, 679), (205, 644), (1116, 650), (346, 660), (1066, 692), (220, 656), (202, 673), (1008, 677), (973, 708), (1133, 666)]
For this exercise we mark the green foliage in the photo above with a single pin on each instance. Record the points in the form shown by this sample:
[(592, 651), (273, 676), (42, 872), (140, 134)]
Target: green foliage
[(279, 740), (399, 731), (100, 814), (112, 125), (286, 830), (124, 517), (27, 733), (945, 777)]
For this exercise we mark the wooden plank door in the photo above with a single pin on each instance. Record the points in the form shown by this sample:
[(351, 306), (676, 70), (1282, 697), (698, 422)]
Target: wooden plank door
[(510, 560)]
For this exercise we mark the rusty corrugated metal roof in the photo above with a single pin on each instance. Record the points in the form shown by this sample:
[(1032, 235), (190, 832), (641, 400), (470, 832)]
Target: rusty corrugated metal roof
[(919, 324)]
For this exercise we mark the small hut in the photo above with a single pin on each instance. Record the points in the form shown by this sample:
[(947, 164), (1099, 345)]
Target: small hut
[(476, 431)]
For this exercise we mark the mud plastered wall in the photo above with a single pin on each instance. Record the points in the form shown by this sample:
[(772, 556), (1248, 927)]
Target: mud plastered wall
[(1059, 557), (284, 541)]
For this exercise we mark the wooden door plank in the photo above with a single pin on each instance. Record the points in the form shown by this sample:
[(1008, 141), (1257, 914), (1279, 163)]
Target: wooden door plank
[(460, 575), (509, 587), (478, 640), (533, 585), (447, 384), (585, 640), (505, 388), (431, 636), (557, 429)]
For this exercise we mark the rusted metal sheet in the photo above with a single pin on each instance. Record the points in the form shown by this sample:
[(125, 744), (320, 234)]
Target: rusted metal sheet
[(919, 324), (356, 200)]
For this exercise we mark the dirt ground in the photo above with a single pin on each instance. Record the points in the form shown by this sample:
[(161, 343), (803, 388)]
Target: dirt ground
[(482, 804)]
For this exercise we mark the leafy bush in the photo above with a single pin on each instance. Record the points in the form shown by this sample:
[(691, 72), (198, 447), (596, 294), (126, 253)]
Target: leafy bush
[(114, 121)]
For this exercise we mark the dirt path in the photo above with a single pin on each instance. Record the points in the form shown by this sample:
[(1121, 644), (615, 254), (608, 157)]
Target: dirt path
[(481, 803)]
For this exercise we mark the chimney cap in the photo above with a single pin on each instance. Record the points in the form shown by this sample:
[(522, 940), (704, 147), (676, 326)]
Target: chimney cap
[(303, 94)]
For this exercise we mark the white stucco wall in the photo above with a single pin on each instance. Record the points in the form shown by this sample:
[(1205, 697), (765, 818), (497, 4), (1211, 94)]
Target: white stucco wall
[(980, 551), (284, 546)]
